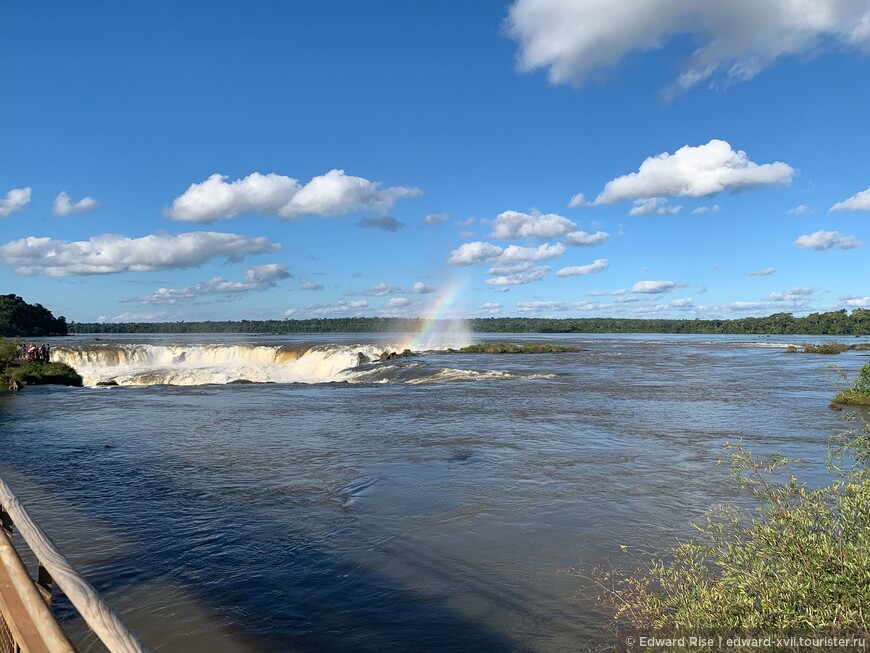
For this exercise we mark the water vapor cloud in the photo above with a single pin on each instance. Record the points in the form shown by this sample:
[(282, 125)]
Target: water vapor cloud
[(113, 253), (330, 195)]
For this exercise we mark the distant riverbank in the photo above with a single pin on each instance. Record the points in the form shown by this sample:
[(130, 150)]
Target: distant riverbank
[(838, 323)]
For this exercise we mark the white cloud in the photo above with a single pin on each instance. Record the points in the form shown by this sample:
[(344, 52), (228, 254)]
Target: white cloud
[(858, 202), (658, 205), (381, 289), (701, 210), (384, 289), (766, 272), (435, 218), (583, 239), (578, 201), (854, 301), (489, 308), (599, 265), (332, 194), (341, 307), (420, 288), (799, 210), (63, 205), (262, 277), (538, 306), (576, 39), (466, 235), (605, 293), (519, 278), (544, 252), (15, 200), (310, 285), (655, 287), (473, 253), (397, 302), (684, 302), (694, 172), (513, 224), (112, 253), (161, 316), (822, 240), (790, 295)]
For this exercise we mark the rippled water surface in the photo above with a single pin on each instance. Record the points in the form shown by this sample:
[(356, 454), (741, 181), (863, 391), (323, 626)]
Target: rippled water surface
[(433, 503)]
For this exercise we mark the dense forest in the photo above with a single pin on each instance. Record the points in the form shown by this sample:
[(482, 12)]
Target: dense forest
[(18, 318), (839, 323)]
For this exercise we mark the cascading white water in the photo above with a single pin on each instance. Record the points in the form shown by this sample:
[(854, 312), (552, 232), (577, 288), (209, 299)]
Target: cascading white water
[(143, 364)]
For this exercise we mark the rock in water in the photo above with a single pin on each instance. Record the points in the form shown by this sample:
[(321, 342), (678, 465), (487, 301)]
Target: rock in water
[(362, 359)]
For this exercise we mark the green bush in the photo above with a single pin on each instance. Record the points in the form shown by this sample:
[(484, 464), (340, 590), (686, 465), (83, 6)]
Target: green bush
[(37, 373), (798, 564), (826, 348)]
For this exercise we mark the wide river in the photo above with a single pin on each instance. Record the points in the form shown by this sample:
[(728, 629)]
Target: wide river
[(443, 502)]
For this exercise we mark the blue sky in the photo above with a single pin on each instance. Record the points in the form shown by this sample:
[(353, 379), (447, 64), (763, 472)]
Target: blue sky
[(261, 160)]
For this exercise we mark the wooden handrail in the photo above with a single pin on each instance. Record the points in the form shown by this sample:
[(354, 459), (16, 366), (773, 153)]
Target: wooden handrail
[(96, 613)]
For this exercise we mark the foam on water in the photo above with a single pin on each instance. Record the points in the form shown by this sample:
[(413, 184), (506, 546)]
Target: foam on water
[(143, 364)]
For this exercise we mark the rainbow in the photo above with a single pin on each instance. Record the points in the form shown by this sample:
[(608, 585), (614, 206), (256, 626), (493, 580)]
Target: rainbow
[(437, 311)]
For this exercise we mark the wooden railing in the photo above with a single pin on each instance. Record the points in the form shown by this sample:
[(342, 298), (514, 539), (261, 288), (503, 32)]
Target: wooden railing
[(28, 623)]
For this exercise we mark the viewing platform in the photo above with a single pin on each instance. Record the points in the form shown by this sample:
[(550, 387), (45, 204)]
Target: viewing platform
[(27, 624)]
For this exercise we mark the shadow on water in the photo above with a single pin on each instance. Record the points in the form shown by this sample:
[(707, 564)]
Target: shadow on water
[(217, 547)]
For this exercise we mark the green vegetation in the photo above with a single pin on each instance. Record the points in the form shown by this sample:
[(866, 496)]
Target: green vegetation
[(833, 323), (791, 349), (36, 373), (858, 392), (826, 348), (32, 372), (796, 565), (508, 348), (18, 318)]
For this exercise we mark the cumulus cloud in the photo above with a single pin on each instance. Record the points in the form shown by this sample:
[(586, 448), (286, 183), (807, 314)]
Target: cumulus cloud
[(474, 253), (538, 306), (398, 302), (420, 288), (799, 210), (597, 266), (435, 218), (262, 277), (655, 287), (112, 253), (701, 210), (386, 223), (694, 172), (332, 194), (858, 202), (684, 302), (519, 278), (513, 224), (341, 307), (657, 205), (583, 239), (765, 272), (489, 308), (63, 205), (578, 201), (822, 240), (575, 39), (310, 285), (161, 316), (854, 301), (15, 200), (384, 289), (604, 293)]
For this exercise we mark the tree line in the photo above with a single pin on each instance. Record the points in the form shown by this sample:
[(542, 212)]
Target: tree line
[(840, 323), (18, 318)]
